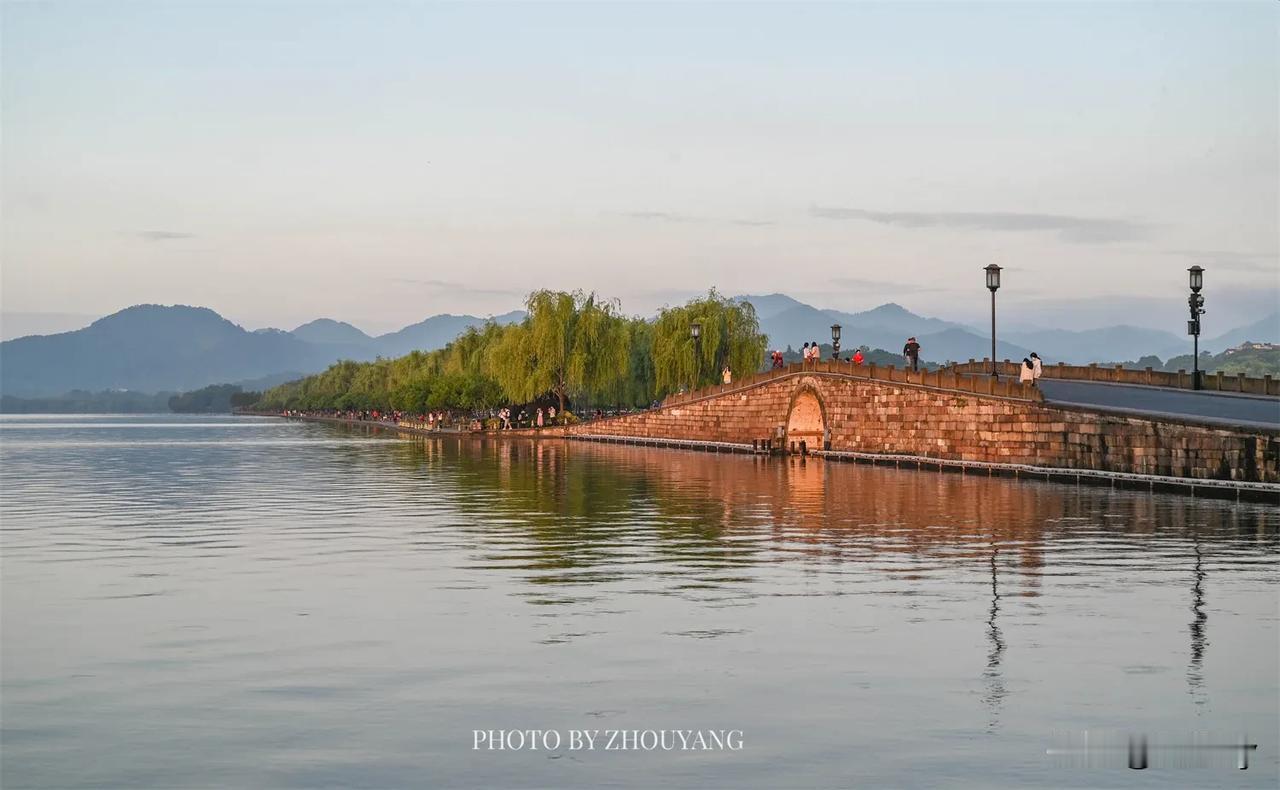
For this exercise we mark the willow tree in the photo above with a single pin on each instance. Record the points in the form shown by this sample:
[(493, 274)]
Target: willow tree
[(730, 336), (568, 342)]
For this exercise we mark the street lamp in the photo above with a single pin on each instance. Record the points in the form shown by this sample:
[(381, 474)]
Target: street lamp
[(835, 341), (695, 329), (1196, 302), (993, 285)]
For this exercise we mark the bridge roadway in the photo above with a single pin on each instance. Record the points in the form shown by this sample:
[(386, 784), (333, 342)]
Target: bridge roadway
[(1202, 407)]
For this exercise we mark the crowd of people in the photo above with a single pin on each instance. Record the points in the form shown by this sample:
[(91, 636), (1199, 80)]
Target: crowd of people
[(505, 418), (812, 352), (1031, 369)]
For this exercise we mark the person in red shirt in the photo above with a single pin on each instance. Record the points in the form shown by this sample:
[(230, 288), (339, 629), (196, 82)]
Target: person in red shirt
[(857, 357)]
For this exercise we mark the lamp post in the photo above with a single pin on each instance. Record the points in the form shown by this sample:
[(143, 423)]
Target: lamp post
[(695, 329), (1196, 302), (993, 285), (835, 341)]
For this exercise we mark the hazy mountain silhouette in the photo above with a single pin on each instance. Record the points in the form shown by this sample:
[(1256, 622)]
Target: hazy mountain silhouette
[(434, 332), (1265, 330), (155, 348), (150, 348), (1112, 343), (769, 305), (326, 330), (789, 322)]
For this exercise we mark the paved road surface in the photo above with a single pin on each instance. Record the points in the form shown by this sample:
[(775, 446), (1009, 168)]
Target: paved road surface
[(1201, 406)]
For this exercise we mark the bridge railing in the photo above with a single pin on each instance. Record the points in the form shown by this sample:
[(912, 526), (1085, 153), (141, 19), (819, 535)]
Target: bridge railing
[(1007, 387), (1118, 374)]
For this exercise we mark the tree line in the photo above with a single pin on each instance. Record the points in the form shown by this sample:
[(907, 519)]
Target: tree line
[(572, 349), (216, 398)]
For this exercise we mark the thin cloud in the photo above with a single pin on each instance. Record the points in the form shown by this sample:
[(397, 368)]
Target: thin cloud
[(459, 288), (661, 216), (1068, 228), (1228, 259), (164, 235), (670, 216), (860, 283)]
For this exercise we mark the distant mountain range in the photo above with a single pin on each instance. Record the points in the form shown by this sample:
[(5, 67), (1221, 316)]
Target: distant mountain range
[(789, 322), (156, 348)]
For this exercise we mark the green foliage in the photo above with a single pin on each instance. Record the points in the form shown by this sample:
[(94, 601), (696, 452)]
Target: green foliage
[(244, 400), (730, 335), (640, 386), (206, 400), (1249, 361), (570, 346), (568, 342), (1255, 362)]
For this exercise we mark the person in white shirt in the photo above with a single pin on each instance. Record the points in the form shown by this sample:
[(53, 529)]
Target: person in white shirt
[(1026, 373)]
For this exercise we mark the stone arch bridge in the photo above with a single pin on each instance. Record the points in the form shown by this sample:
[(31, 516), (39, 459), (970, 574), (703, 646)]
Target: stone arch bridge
[(949, 417)]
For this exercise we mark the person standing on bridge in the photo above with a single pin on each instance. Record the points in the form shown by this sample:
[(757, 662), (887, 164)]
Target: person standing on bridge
[(1027, 373), (804, 355), (857, 357), (912, 353), (778, 362), (1037, 368), (727, 375)]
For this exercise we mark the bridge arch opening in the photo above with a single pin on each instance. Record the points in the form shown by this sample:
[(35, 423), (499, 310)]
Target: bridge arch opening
[(806, 421)]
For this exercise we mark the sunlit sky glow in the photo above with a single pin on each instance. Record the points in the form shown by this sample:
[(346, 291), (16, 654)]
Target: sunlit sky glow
[(379, 162)]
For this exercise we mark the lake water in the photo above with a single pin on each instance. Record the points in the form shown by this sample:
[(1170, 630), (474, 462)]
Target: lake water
[(249, 602)]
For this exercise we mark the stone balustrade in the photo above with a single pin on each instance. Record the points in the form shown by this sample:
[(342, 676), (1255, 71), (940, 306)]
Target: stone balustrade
[(949, 380), (1118, 374)]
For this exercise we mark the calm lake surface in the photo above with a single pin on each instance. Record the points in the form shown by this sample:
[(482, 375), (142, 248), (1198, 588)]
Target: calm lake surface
[(249, 602)]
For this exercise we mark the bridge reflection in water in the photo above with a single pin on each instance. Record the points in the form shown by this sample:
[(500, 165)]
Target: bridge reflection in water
[(1005, 558)]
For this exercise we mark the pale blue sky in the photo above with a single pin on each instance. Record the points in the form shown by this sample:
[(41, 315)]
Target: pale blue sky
[(379, 162)]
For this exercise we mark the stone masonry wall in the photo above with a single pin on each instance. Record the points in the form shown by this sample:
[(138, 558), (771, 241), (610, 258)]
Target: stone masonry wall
[(893, 418)]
